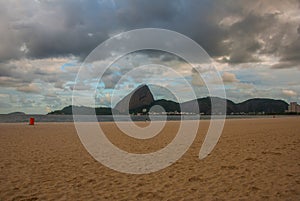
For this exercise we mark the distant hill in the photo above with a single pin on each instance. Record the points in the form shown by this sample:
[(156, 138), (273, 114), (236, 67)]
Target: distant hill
[(251, 106), (203, 105), (17, 113), (269, 106), (83, 110), (141, 100)]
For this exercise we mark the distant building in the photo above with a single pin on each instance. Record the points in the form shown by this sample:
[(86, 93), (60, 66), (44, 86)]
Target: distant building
[(294, 107)]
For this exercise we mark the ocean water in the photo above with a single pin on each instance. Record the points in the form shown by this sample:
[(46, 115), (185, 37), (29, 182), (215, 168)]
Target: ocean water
[(4, 118), (83, 118)]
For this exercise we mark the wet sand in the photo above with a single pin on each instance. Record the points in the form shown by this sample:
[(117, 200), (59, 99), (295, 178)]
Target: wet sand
[(255, 159)]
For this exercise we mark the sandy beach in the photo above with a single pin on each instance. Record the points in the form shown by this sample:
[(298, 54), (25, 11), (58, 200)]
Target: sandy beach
[(255, 159)]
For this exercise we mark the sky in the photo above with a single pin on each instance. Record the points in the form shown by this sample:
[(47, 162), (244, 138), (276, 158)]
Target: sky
[(255, 46)]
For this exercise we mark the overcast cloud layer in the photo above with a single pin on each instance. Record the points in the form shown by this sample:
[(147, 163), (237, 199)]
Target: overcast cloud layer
[(255, 45)]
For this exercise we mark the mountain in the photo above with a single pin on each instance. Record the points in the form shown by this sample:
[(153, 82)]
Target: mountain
[(255, 106), (203, 105), (16, 113), (142, 98), (259, 105), (83, 110), (169, 106), (141, 101), (136, 101)]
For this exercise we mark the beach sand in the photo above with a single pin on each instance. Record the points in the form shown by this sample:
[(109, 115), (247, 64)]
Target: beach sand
[(255, 159)]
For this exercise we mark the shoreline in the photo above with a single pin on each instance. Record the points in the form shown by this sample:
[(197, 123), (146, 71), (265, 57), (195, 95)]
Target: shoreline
[(109, 118)]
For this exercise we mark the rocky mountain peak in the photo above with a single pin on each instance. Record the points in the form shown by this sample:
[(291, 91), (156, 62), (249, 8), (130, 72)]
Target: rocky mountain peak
[(138, 98)]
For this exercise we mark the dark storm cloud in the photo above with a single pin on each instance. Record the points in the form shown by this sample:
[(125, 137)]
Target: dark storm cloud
[(237, 30), (53, 28), (290, 56), (138, 13), (245, 36)]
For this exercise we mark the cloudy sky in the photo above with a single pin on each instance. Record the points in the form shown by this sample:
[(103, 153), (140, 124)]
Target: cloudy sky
[(255, 46)]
